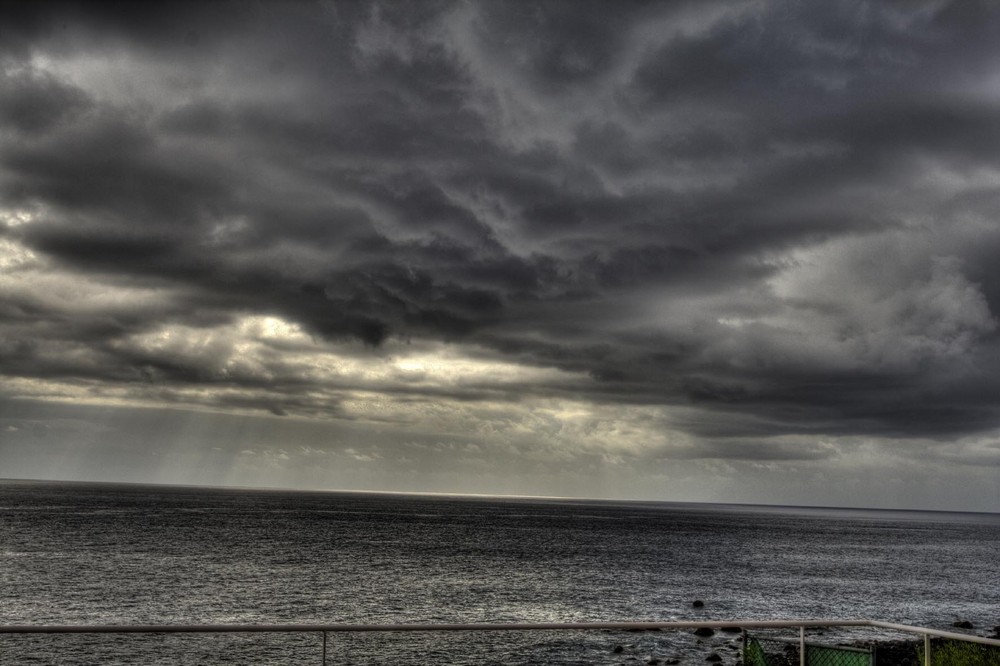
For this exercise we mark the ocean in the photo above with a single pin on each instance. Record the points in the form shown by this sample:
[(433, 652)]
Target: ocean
[(124, 554)]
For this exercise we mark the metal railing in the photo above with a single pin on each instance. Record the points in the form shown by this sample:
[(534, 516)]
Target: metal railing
[(325, 629)]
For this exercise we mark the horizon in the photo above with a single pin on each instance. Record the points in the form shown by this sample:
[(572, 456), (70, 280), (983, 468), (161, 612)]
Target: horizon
[(703, 251), (473, 496)]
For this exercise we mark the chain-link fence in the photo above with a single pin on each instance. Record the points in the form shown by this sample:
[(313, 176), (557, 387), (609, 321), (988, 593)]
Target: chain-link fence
[(762, 650), (765, 649), (825, 655)]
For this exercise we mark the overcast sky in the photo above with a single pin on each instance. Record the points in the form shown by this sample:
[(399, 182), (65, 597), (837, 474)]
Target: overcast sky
[(707, 251)]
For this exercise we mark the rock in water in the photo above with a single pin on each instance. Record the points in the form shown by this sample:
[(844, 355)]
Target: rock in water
[(713, 658), (704, 631), (698, 603), (963, 624)]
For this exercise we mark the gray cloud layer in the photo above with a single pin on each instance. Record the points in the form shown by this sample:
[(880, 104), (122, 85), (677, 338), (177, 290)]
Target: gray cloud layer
[(783, 215)]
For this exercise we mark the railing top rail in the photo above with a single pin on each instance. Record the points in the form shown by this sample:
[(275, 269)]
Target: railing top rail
[(481, 626), (935, 632), (484, 626)]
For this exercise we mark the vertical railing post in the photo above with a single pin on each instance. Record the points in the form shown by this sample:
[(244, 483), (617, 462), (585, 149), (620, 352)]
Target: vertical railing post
[(324, 648), (927, 650), (802, 646)]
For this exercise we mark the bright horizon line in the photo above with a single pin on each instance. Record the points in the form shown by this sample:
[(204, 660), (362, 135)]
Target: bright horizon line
[(570, 498)]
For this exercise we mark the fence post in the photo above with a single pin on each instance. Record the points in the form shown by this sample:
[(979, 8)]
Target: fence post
[(927, 650), (324, 648), (802, 646)]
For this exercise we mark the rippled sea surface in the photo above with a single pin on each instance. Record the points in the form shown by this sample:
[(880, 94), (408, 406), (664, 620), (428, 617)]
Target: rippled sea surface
[(113, 554)]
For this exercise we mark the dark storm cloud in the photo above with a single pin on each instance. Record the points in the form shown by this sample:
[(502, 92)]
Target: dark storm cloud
[(610, 189), (160, 25), (857, 404), (754, 451), (35, 102)]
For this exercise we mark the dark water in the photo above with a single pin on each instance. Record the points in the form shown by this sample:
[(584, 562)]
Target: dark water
[(75, 553)]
